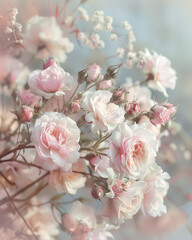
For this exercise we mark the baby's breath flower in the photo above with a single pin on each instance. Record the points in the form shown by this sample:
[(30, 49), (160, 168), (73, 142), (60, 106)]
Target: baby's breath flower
[(120, 52)]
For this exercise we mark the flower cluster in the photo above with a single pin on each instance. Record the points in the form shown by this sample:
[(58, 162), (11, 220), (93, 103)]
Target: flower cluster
[(84, 133)]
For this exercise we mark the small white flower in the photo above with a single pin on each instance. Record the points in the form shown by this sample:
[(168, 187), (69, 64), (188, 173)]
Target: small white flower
[(120, 52)]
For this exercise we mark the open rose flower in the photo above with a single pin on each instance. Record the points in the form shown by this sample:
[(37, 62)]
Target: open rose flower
[(155, 191), (126, 203), (56, 139), (44, 37), (133, 150), (101, 113), (159, 72), (68, 182), (50, 81)]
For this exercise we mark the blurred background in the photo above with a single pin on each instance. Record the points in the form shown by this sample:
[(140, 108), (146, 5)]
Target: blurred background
[(166, 27)]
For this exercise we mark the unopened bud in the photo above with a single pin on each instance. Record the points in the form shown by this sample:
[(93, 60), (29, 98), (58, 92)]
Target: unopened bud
[(132, 108), (75, 106), (118, 97), (93, 72), (25, 113), (82, 76), (49, 63), (172, 109), (159, 115), (112, 72)]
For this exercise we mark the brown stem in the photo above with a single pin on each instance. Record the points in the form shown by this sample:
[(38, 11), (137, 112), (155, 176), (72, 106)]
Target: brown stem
[(4, 200), (20, 147)]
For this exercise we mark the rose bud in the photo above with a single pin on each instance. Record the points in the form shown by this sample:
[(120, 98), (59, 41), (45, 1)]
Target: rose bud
[(159, 115), (25, 113), (103, 85), (93, 72), (97, 192), (112, 72), (118, 97), (28, 98), (49, 63), (82, 76), (75, 106), (172, 109), (132, 108)]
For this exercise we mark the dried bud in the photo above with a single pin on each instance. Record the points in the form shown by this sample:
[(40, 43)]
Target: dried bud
[(82, 76), (159, 115), (75, 106), (49, 63), (112, 72), (132, 108), (97, 192), (118, 97), (93, 72), (25, 113)]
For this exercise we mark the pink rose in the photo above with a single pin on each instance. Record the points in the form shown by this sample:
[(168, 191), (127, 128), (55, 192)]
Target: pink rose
[(159, 115), (101, 113), (25, 114), (126, 204), (93, 72), (28, 98), (155, 191), (68, 182), (133, 150), (56, 139), (159, 72), (132, 108), (50, 81)]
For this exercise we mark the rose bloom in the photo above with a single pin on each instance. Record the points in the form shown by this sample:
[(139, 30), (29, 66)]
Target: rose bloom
[(68, 182), (159, 72), (132, 150), (45, 37), (56, 139), (42, 221), (101, 113), (155, 191), (126, 203), (50, 81)]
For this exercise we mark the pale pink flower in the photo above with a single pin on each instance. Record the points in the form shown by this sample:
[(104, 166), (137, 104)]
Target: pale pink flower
[(172, 109), (101, 113), (159, 72), (42, 221), (126, 203), (44, 37), (103, 85), (133, 150), (27, 98), (56, 139), (159, 115), (93, 72), (100, 164), (25, 114), (68, 182), (50, 81), (75, 106), (155, 191)]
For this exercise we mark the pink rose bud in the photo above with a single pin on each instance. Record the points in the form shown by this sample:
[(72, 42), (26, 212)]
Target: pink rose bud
[(82, 76), (172, 109), (159, 115), (28, 98), (132, 108), (75, 106), (97, 192), (118, 97), (25, 114), (93, 72), (118, 187), (49, 63), (69, 222)]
